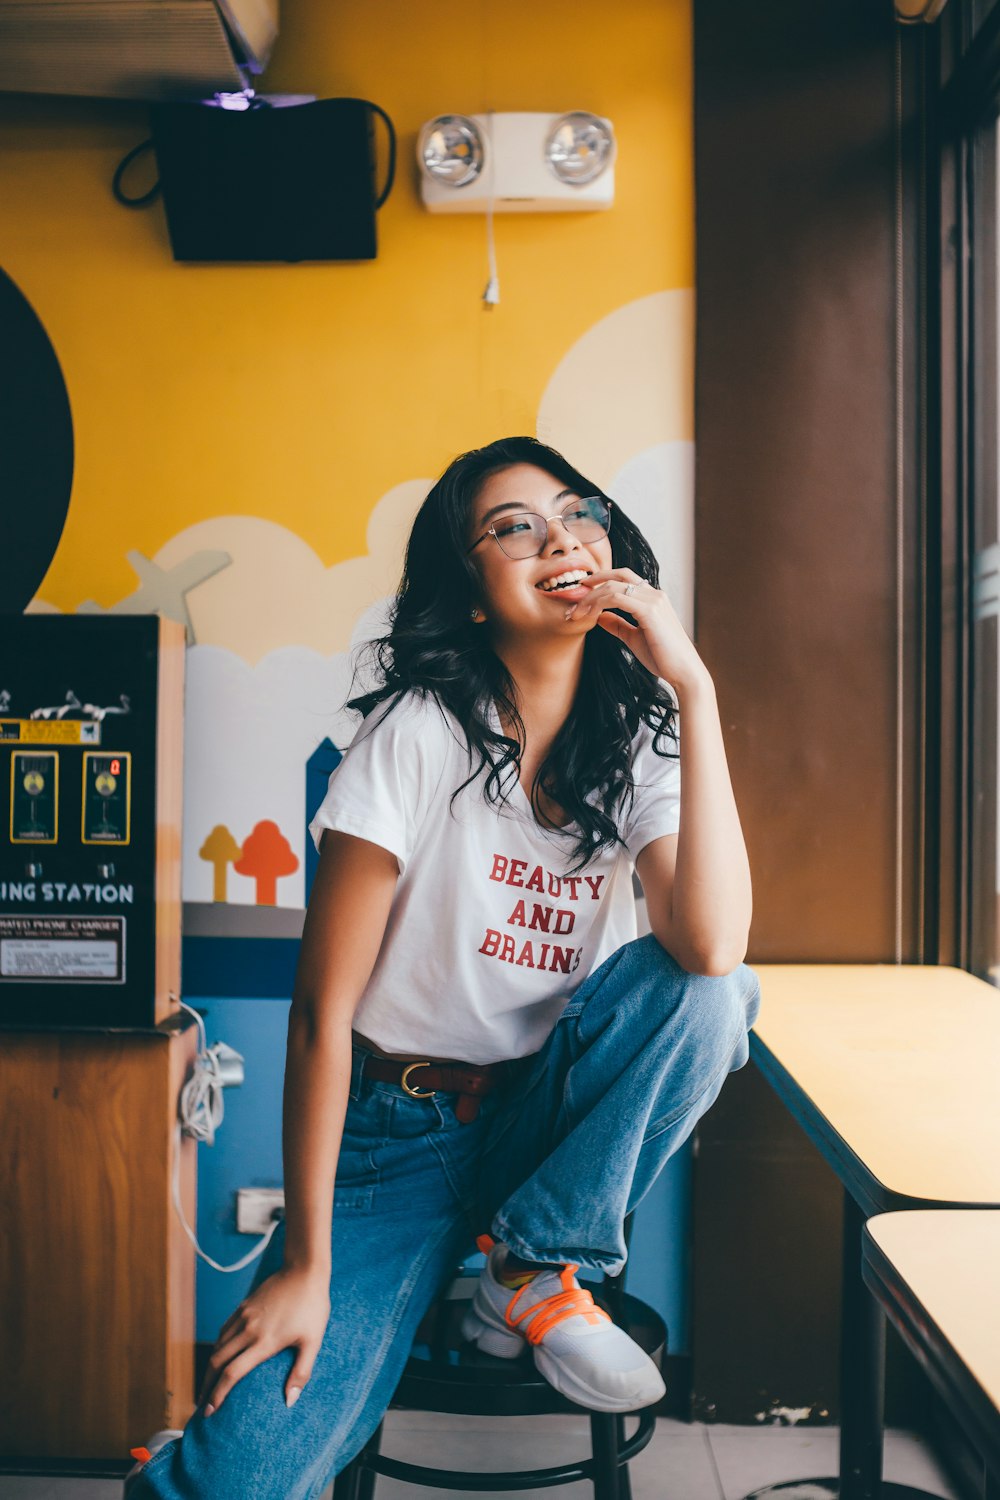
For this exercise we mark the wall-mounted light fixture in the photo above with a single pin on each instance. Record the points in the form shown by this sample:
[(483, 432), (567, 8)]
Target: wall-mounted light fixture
[(517, 163), (451, 150)]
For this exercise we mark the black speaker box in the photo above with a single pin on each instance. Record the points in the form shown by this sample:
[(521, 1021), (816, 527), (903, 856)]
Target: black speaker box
[(268, 183)]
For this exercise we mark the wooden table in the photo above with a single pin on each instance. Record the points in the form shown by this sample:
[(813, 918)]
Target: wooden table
[(936, 1274), (891, 1071)]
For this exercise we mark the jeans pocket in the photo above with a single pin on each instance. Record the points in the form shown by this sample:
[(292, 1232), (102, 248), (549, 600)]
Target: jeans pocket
[(356, 1180), (357, 1173)]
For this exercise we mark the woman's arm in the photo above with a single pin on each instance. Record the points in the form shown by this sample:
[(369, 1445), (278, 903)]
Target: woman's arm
[(697, 881), (345, 923)]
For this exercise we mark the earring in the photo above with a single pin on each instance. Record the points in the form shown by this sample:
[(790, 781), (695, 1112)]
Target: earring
[(475, 614)]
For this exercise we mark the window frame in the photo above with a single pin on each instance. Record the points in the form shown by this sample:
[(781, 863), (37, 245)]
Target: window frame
[(960, 456)]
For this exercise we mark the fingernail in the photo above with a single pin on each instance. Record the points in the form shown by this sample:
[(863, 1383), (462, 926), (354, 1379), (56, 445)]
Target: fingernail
[(294, 1393), (569, 611), (209, 1410)]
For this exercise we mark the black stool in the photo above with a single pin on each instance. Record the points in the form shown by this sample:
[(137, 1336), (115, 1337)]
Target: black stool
[(446, 1374)]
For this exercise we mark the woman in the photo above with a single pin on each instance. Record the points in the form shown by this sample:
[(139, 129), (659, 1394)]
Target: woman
[(478, 1043)]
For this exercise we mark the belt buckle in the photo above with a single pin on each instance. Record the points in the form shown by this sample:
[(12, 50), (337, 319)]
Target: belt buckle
[(408, 1088)]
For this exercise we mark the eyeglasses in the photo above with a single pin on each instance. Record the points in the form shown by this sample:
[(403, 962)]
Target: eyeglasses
[(525, 532)]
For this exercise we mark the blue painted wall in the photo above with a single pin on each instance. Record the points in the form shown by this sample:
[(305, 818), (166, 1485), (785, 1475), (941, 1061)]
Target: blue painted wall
[(247, 1153)]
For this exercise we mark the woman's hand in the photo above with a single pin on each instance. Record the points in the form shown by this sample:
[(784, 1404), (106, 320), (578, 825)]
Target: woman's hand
[(289, 1310), (658, 639)]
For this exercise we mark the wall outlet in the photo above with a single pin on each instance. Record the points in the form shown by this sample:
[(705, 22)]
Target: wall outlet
[(254, 1207)]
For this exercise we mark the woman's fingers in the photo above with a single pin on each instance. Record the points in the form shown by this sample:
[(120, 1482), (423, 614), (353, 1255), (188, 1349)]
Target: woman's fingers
[(631, 636), (657, 640), (255, 1355), (220, 1357), (290, 1310), (235, 1317), (300, 1372), (581, 607), (615, 625), (608, 595)]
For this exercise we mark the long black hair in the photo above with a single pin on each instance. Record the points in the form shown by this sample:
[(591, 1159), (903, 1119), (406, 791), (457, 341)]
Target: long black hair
[(433, 647)]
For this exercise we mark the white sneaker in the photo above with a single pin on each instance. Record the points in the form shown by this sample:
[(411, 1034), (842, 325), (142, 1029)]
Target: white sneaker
[(576, 1346), (144, 1454)]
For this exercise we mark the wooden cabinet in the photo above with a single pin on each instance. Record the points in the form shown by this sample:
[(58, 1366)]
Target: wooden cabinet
[(97, 1276)]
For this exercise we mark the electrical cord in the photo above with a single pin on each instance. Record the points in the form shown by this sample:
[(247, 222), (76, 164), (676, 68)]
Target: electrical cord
[(199, 1114), (491, 295), (390, 170), (200, 1106), (121, 197)]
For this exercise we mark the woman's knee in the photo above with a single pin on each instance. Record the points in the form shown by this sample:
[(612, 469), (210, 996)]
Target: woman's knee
[(730, 1001), (648, 999), (747, 989), (720, 1009), (739, 988)]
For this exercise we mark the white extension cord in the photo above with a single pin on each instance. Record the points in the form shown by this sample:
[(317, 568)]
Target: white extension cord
[(199, 1114), (491, 296)]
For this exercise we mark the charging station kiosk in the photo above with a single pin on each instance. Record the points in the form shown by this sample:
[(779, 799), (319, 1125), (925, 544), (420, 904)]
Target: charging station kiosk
[(91, 716), (97, 1273)]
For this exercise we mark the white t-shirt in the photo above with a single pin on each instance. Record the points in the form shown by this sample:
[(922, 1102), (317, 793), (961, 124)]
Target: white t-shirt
[(487, 937)]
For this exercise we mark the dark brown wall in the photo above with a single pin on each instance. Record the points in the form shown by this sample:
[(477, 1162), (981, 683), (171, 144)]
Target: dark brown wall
[(796, 616), (794, 430)]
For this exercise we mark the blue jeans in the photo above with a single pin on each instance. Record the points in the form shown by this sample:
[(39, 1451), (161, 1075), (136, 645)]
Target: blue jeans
[(551, 1165)]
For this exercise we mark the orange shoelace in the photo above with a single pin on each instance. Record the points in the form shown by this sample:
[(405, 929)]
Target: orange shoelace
[(543, 1316)]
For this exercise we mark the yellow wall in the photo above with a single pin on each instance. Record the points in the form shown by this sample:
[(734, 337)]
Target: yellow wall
[(287, 419), (309, 391)]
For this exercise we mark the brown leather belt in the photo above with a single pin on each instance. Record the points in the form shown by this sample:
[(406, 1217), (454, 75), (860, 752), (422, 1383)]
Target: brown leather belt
[(421, 1080)]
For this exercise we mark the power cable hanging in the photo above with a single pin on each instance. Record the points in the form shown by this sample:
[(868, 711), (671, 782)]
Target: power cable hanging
[(200, 1111), (491, 294)]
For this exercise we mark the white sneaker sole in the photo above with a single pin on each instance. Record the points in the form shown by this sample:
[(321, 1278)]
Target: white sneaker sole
[(503, 1343), (575, 1389)]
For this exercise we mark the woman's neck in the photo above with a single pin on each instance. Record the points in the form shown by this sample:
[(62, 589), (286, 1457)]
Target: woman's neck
[(545, 686)]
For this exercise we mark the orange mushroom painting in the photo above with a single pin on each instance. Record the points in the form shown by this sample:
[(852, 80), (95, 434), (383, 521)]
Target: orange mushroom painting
[(266, 856)]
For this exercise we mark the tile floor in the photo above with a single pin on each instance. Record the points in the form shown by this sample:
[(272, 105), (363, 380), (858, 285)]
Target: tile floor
[(683, 1462)]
